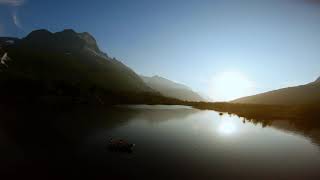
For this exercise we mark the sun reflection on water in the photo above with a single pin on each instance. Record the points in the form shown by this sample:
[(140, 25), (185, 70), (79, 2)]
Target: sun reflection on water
[(227, 128)]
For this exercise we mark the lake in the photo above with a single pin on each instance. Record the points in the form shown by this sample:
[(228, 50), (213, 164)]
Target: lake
[(172, 142)]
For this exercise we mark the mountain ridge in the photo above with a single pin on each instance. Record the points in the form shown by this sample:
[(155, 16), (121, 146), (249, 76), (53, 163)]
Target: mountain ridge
[(302, 94), (171, 89), (69, 59)]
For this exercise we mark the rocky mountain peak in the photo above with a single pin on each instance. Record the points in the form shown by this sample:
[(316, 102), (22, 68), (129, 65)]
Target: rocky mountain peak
[(66, 40)]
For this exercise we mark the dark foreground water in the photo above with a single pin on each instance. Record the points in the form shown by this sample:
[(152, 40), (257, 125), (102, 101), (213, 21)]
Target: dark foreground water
[(172, 142)]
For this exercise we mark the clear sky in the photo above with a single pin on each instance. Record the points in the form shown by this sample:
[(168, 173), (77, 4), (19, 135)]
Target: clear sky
[(222, 48)]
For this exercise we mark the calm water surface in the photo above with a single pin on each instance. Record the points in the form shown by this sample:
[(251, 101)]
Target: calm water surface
[(172, 142), (181, 142)]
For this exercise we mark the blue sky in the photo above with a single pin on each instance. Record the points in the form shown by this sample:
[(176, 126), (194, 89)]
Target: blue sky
[(214, 46)]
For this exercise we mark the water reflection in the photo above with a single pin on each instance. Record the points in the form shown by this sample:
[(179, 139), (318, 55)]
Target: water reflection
[(72, 141), (304, 129), (227, 128), (207, 145)]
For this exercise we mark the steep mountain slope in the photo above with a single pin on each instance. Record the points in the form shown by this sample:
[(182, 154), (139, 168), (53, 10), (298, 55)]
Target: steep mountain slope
[(64, 61), (304, 94), (171, 89)]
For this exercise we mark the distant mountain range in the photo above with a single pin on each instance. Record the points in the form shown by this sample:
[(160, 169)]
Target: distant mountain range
[(304, 94), (171, 89), (71, 64), (63, 63), (68, 63)]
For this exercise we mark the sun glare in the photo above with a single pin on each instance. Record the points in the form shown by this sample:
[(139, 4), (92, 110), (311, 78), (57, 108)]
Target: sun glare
[(230, 85), (227, 128)]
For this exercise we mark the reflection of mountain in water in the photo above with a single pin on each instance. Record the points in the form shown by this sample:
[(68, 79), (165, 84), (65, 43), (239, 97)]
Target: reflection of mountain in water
[(161, 114), (49, 136), (47, 125), (313, 133)]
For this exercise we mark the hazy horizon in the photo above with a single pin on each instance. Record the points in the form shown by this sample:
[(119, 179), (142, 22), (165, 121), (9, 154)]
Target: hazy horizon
[(224, 49)]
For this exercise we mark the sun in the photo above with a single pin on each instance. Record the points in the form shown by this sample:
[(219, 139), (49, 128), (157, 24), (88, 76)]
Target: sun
[(230, 85)]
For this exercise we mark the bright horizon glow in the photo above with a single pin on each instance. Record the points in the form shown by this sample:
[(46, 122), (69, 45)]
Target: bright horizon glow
[(230, 85), (274, 43)]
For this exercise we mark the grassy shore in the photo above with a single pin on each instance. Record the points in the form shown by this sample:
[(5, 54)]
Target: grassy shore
[(299, 114), (307, 116)]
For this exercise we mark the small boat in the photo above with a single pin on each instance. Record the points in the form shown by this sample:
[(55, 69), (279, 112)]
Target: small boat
[(120, 145)]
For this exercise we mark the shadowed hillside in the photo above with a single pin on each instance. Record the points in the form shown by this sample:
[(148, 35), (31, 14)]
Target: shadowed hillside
[(65, 64), (304, 94), (171, 89)]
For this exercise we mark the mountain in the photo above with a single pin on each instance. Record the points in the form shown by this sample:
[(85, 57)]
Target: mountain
[(171, 89), (304, 94), (64, 62)]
